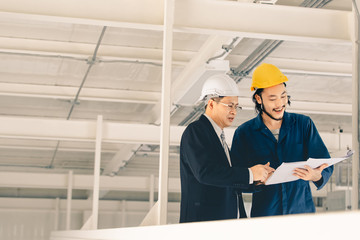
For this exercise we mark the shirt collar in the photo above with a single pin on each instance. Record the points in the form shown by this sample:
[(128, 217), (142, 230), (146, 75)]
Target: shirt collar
[(216, 127)]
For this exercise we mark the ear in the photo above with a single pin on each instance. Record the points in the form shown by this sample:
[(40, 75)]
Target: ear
[(210, 104), (258, 99)]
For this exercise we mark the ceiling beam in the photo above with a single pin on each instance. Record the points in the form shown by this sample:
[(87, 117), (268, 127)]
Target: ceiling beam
[(120, 159), (190, 77), (87, 94), (192, 72), (82, 51), (59, 181), (200, 16), (73, 130), (263, 21), (112, 13), (49, 204)]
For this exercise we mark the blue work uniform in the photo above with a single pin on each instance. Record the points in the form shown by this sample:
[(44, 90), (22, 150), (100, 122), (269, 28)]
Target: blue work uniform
[(253, 143)]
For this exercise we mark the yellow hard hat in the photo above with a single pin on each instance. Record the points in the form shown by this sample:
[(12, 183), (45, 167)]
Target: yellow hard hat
[(267, 75)]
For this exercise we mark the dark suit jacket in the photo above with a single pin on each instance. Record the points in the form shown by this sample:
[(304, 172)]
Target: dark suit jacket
[(209, 186)]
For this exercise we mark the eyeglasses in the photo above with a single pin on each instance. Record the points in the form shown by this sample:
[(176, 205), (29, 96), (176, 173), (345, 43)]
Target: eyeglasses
[(231, 106)]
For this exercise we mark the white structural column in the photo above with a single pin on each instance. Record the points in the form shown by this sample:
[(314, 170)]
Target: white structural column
[(169, 6), (92, 222), (57, 214), (95, 206), (68, 200), (355, 105), (151, 191)]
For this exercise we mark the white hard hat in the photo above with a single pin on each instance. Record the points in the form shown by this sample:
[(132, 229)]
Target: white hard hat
[(219, 85)]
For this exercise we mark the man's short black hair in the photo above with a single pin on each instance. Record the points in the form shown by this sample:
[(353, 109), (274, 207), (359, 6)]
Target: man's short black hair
[(216, 99)]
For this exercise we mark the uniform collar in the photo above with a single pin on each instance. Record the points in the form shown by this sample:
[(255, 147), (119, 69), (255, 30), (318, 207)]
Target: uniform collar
[(259, 123), (287, 122)]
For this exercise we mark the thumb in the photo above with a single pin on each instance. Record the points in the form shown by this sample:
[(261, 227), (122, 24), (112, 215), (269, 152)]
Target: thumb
[(268, 168)]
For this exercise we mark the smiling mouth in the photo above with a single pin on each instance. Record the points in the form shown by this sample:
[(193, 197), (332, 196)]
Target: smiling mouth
[(278, 110)]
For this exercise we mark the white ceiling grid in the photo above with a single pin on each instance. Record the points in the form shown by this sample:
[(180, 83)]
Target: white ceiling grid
[(47, 50)]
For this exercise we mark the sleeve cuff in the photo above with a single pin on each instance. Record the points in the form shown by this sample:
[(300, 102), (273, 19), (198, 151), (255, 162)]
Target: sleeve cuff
[(251, 177), (319, 183)]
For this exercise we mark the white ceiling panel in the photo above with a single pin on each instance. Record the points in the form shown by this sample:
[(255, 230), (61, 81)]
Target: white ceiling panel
[(60, 63)]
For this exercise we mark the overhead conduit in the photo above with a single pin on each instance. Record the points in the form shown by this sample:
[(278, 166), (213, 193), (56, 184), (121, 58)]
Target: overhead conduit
[(254, 59), (91, 63)]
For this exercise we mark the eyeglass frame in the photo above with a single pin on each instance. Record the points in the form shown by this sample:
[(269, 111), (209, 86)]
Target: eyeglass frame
[(231, 106)]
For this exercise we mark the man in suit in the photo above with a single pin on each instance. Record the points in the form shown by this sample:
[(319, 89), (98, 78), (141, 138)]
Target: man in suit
[(209, 183)]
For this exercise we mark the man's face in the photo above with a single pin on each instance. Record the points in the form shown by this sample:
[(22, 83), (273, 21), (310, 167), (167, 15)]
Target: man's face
[(274, 100), (224, 115)]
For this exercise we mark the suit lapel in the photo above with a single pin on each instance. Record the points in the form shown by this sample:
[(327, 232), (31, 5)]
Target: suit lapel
[(216, 143)]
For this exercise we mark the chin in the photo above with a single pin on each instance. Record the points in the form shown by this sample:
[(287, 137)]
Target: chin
[(279, 115)]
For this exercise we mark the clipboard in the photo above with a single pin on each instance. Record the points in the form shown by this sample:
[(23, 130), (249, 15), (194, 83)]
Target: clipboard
[(284, 173)]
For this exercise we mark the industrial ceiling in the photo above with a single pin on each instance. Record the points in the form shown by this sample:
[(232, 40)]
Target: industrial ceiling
[(63, 63)]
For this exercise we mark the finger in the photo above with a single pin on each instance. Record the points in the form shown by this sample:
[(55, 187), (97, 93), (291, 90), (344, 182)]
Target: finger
[(301, 170), (308, 168), (262, 178), (269, 175), (297, 175), (323, 166), (269, 169), (301, 174), (265, 175)]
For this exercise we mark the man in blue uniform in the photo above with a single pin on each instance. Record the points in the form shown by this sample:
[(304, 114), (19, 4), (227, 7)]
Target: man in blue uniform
[(208, 179), (277, 136)]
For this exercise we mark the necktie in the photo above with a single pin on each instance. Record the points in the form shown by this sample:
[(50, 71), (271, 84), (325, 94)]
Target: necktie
[(225, 146)]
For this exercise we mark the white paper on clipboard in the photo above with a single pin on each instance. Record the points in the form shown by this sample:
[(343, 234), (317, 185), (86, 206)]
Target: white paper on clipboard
[(284, 173)]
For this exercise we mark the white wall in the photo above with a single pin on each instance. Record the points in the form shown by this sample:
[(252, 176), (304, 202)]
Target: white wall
[(34, 219)]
